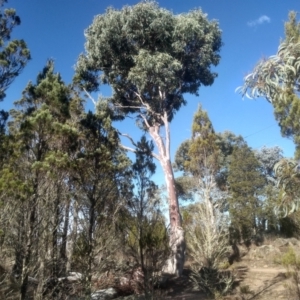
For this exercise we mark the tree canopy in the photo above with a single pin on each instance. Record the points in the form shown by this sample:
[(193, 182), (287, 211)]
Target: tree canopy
[(277, 79), (149, 57), (14, 54)]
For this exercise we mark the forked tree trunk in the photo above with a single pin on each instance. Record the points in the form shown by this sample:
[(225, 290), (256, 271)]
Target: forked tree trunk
[(175, 263)]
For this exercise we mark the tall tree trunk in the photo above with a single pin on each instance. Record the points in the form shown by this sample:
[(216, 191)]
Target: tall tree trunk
[(72, 237), (56, 212), (41, 262), (28, 250), (177, 241), (90, 256), (63, 249), (175, 263)]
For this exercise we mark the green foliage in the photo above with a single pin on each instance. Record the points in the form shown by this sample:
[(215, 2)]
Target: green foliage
[(203, 150), (149, 57), (35, 129), (14, 54), (292, 263), (276, 79), (147, 236), (290, 259), (60, 161), (185, 187), (198, 157), (288, 178), (289, 226), (245, 183), (206, 150), (226, 141), (35, 173), (182, 156), (292, 28), (150, 237)]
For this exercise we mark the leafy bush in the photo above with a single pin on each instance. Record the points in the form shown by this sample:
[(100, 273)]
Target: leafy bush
[(292, 262)]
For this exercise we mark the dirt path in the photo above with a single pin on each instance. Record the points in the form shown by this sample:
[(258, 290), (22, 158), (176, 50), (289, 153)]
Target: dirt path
[(264, 283)]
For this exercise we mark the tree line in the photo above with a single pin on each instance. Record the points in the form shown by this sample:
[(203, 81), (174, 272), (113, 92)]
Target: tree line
[(71, 199)]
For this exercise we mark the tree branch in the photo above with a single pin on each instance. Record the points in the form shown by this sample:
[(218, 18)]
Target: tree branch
[(128, 148), (145, 120), (148, 108), (89, 95), (134, 144), (155, 156), (130, 106), (134, 151), (145, 104), (129, 137)]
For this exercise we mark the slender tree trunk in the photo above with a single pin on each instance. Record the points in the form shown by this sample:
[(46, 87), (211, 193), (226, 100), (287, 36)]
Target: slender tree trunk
[(63, 249), (175, 263), (90, 248), (72, 237), (41, 263), (28, 250), (55, 236)]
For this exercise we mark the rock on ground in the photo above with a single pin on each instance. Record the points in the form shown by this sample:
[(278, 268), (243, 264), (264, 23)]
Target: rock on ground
[(106, 294)]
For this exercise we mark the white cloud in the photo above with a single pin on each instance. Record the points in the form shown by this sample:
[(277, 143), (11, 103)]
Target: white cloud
[(259, 21)]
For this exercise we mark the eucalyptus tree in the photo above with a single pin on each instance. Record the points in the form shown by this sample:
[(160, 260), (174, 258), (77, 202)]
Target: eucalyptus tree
[(151, 58), (288, 178), (277, 79)]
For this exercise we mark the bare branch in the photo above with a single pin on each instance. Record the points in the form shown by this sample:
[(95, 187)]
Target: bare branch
[(145, 120), (128, 137), (134, 151), (128, 148), (89, 95), (130, 106), (145, 104), (155, 156)]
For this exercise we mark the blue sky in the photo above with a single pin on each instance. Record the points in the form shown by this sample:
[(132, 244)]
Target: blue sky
[(251, 30)]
